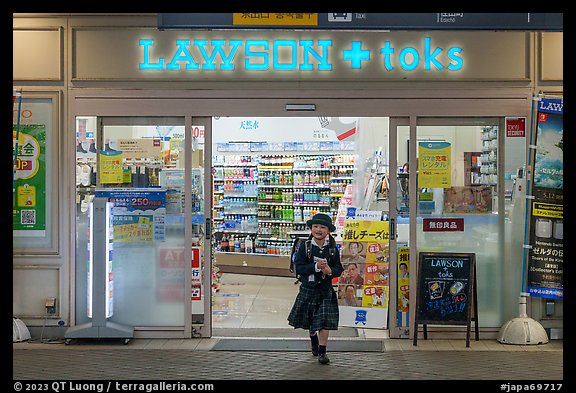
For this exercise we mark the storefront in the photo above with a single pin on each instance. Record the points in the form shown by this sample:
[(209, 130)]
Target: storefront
[(155, 99)]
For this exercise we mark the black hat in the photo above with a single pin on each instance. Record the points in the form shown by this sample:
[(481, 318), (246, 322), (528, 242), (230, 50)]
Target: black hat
[(322, 219)]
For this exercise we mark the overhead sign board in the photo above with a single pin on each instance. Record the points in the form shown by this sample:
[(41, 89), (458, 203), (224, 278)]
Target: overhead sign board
[(363, 21)]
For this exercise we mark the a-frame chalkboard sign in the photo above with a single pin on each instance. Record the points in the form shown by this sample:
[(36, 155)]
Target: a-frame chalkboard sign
[(446, 292)]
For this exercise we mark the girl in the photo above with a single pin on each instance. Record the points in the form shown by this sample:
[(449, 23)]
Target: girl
[(316, 305)]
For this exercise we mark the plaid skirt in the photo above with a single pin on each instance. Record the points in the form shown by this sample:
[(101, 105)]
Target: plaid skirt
[(315, 309)]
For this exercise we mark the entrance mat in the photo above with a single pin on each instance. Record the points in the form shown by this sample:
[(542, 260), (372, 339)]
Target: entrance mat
[(278, 332), (231, 344)]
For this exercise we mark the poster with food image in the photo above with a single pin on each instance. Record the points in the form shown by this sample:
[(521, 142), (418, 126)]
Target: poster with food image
[(365, 256), (377, 274), (375, 296), (403, 297), (377, 252)]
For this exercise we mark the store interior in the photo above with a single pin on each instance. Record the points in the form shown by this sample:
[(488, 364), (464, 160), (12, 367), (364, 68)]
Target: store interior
[(269, 176)]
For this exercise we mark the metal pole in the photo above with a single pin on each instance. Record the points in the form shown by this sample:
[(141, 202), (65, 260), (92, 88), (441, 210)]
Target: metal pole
[(529, 173)]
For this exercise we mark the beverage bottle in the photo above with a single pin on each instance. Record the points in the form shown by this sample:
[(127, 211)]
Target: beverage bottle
[(231, 244), (248, 244), (224, 243)]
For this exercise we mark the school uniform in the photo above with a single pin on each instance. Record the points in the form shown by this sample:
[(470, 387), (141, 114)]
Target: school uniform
[(316, 305)]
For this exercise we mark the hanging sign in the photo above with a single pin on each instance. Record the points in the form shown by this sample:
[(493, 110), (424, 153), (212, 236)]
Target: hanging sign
[(434, 165), (545, 276)]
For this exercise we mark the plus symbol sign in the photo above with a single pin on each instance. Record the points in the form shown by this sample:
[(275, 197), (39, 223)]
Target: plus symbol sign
[(356, 54)]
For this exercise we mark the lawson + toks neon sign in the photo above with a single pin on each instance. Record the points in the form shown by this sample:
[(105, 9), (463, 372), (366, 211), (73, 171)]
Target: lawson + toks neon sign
[(296, 55)]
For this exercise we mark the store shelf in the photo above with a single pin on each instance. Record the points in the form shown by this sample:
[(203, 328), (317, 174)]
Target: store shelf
[(288, 194), (488, 159), (259, 264)]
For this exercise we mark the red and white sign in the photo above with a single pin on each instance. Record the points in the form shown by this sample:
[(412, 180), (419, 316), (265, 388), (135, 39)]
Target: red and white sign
[(198, 133), (170, 274), (515, 126), (443, 225)]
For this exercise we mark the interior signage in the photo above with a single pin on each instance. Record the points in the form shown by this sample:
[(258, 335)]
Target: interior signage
[(255, 55), (424, 21)]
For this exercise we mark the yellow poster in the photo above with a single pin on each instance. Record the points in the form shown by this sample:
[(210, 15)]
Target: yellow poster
[(26, 195), (134, 229), (366, 231), (375, 296), (434, 164), (275, 19), (403, 278), (110, 167)]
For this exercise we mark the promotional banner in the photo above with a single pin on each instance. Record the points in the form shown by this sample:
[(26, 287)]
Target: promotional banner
[(403, 279), (29, 213), (546, 255), (549, 161), (138, 215), (434, 164), (363, 287)]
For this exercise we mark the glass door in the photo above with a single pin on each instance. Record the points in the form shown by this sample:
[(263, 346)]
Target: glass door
[(449, 175), (460, 200), (139, 164)]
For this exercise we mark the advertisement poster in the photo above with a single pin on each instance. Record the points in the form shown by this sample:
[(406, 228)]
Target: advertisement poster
[(138, 215), (475, 199), (549, 162), (29, 212), (434, 164), (111, 167), (545, 276), (546, 257), (363, 287), (403, 279)]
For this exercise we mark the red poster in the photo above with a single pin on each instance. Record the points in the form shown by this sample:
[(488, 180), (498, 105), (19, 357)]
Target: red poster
[(515, 126)]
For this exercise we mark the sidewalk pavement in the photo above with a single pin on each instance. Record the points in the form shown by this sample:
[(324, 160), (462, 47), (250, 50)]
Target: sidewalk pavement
[(195, 359)]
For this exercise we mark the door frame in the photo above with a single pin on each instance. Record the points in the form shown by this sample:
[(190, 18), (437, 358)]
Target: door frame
[(198, 107)]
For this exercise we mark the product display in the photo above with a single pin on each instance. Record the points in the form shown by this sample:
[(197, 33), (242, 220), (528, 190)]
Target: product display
[(488, 158), (265, 200)]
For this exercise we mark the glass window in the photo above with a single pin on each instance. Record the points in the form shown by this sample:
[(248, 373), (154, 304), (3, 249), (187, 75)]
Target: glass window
[(35, 182), (457, 189)]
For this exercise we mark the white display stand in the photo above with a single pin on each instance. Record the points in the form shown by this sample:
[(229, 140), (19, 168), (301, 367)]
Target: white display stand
[(99, 277)]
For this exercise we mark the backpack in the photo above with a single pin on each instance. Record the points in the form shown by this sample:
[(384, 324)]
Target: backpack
[(299, 242)]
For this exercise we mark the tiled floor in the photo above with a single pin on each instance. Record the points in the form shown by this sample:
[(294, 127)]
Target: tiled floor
[(249, 301), (245, 303)]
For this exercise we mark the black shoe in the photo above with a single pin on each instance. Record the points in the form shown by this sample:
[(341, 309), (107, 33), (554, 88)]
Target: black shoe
[(314, 351), (323, 358)]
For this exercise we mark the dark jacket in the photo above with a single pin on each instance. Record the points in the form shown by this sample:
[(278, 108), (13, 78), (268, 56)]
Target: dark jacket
[(305, 267)]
